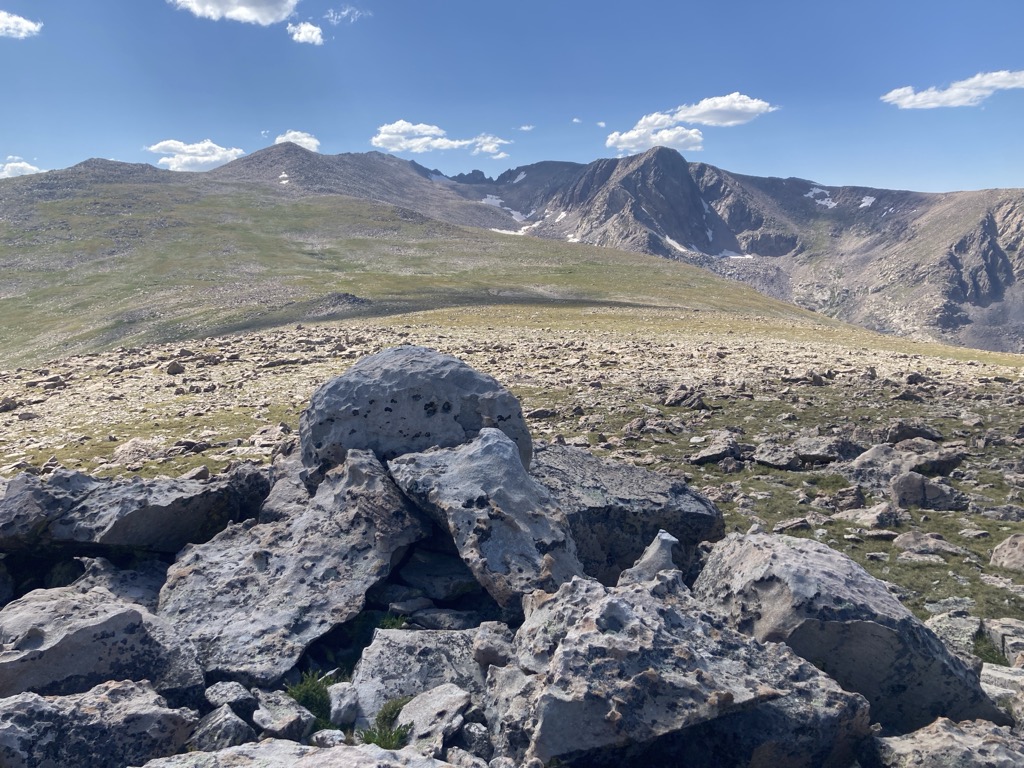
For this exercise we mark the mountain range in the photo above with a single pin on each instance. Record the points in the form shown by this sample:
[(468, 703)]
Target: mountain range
[(943, 267)]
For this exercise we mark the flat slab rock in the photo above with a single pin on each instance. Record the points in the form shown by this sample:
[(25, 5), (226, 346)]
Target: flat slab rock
[(279, 753), (638, 675), (507, 527), (254, 597), (110, 726), (832, 612), (970, 744), (403, 400), (614, 509)]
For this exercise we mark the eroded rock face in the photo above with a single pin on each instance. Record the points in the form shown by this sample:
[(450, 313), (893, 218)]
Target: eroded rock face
[(161, 515), (404, 400), (636, 675), (64, 641), (253, 598), (506, 526), (836, 615), (614, 509), (110, 726), (966, 745)]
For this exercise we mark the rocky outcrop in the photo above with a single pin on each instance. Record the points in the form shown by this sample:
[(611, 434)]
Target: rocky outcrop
[(254, 597), (967, 744), (834, 614), (614, 509), (404, 400)]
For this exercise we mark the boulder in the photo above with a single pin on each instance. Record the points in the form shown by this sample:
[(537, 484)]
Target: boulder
[(407, 663), (63, 641), (921, 543), (70, 509), (639, 675), (975, 744), (833, 613), (912, 489), (254, 597), (235, 695), (220, 729), (906, 429), (875, 468), (507, 527), (405, 400), (657, 557), (722, 445), (772, 453), (279, 716), (1009, 553), (614, 509), (434, 717), (110, 726)]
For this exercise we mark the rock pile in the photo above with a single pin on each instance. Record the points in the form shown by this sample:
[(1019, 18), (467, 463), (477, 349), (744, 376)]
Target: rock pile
[(509, 604)]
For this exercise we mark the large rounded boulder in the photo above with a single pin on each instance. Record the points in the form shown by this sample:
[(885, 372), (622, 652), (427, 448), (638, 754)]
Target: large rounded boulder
[(405, 400)]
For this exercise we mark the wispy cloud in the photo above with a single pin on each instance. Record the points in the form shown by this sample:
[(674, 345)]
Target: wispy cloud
[(200, 156), (525, 128), (962, 93), (348, 13), (17, 27), (403, 136), (305, 32), (16, 166), (577, 120), (602, 124), (303, 139), (669, 129), (262, 12)]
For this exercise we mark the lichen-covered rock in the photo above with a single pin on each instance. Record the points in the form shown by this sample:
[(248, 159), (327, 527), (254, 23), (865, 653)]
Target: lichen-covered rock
[(139, 584), (220, 729), (63, 641), (434, 717), (161, 515), (404, 400), (833, 613), (279, 716), (1009, 553), (110, 726), (253, 598), (506, 526), (614, 509), (636, 675), (976, 744)]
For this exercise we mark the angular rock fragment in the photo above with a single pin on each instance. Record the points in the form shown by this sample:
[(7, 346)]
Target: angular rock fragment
[(638, 675), (975, 744), (434, 717), (614, 510), (63, 641), (1009, 553), (506, 526), (220, 729), (404, 400), (279, 716), (254, 597), (110, 726), (836, 615)]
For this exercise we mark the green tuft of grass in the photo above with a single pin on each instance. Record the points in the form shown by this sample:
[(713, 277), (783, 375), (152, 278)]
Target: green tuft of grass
[(384, 733), (311, 692), (988, 651)]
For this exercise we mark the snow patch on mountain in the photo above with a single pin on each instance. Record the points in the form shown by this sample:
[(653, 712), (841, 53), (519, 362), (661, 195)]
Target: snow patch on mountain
[(497, 202), (520, 177), (866, 201), (826, 201)]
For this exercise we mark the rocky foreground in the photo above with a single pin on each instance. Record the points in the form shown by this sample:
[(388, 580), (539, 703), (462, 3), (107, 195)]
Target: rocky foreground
[(540, 604)]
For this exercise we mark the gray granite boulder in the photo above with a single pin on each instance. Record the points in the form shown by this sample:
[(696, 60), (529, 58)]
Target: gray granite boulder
[(640, 675), (253, 598), (63, 641), (833, 613), (615, 510), (507, 527), (110, 726), (404, 400)]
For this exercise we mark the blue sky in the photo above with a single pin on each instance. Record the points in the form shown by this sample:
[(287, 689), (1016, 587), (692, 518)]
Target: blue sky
[(923, 96)]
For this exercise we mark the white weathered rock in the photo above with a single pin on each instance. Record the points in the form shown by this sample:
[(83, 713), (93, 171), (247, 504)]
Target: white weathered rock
[(220, 729), (234, 695), (110, 726), (976, 744), (614, 509), (1009, 553), (506, 526), (657, 557), (279, 716), (407, 663), (253, 598), (434, 717), (344, 704), (832, 612), (405, 400), (635, 675), (141, 584), (63, 641), (921, 543)]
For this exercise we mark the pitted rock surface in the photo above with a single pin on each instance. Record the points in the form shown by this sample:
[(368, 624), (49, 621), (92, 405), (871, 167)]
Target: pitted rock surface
[(404, 400)]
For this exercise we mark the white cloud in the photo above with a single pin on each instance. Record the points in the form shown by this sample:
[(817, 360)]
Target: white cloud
[(668, 129), (577, 120), (348, 13), (963, 93), (200, 156), (17, 27), (526, 127), (303, 139), (305, 32), (499, 156), (16, 166), (262, 12), (403, 136), (602, 124), (723, 111)]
